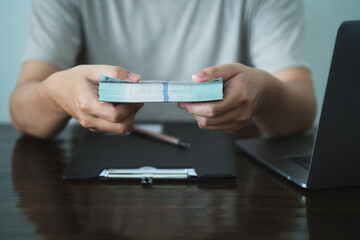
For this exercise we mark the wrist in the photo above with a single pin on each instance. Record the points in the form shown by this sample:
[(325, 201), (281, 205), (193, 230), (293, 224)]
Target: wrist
[(270, 92), (49, 91)]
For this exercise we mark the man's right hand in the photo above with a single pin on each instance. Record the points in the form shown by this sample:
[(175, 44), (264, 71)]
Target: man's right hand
[(45, 98), (76, 92)]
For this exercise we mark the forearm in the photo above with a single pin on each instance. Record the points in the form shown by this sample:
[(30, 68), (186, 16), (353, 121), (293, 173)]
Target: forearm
[(34, 112), (45, 99), (286, 106)]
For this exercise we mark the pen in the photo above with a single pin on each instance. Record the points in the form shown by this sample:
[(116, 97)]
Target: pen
[(163, 137)]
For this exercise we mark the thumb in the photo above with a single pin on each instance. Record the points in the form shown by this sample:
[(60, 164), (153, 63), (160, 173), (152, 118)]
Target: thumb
[(94, 73), (226, 71)]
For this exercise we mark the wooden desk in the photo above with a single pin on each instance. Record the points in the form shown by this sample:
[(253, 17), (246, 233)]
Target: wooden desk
[(36, 204)]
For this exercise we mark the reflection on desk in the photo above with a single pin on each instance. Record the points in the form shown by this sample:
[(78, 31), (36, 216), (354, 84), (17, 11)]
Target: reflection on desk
[(259, 205)]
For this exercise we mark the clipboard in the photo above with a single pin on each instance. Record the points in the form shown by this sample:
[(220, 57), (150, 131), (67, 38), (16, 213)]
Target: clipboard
[(101, 156)]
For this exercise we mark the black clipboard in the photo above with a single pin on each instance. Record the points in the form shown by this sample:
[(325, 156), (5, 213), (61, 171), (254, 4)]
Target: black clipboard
[(132, 156)]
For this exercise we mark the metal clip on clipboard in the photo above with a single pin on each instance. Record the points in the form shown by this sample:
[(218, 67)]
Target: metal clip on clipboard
[(147, 174)]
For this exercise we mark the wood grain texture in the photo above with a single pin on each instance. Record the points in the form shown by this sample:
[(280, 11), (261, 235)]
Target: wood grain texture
[(36, 204)]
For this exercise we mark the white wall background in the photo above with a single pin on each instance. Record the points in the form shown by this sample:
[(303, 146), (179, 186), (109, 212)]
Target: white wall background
[(13, 31), (322, 19)]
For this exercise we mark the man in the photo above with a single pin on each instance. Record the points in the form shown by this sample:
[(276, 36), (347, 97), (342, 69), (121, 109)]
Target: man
[(255, 46)]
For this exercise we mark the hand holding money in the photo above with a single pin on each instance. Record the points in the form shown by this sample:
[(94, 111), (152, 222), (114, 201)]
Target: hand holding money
[(75, 92), (242, 91)]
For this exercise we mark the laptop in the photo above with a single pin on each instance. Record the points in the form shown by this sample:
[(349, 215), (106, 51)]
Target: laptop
[(330, 156)]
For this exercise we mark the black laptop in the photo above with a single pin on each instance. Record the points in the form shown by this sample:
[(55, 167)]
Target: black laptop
[(330, 156)]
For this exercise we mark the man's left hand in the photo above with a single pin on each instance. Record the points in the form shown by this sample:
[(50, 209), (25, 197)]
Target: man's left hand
[(243, 88)]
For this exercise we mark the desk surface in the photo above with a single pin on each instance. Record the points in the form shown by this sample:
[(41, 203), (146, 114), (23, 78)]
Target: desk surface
[(36, 204)]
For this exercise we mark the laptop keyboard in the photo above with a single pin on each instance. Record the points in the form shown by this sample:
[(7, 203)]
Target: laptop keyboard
[(301, 159)]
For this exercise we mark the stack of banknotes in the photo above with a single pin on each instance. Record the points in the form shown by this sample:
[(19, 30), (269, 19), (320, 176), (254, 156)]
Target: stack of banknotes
[(115, 90)]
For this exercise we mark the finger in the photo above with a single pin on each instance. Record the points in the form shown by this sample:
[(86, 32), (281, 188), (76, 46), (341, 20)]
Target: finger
[(101, 125), (226, 71), (93, 129), (93, 72), (119, 112), (211, 108), (207, 109), (115, 112), (140, 105), (89, 104), (237, 116), (229, 127)]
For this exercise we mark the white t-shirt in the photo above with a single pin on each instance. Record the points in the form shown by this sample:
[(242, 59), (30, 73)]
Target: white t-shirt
[(167, 39)]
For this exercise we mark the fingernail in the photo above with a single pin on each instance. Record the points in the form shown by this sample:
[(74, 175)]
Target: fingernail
[(202, 76), (133, 76), (181, 105)]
